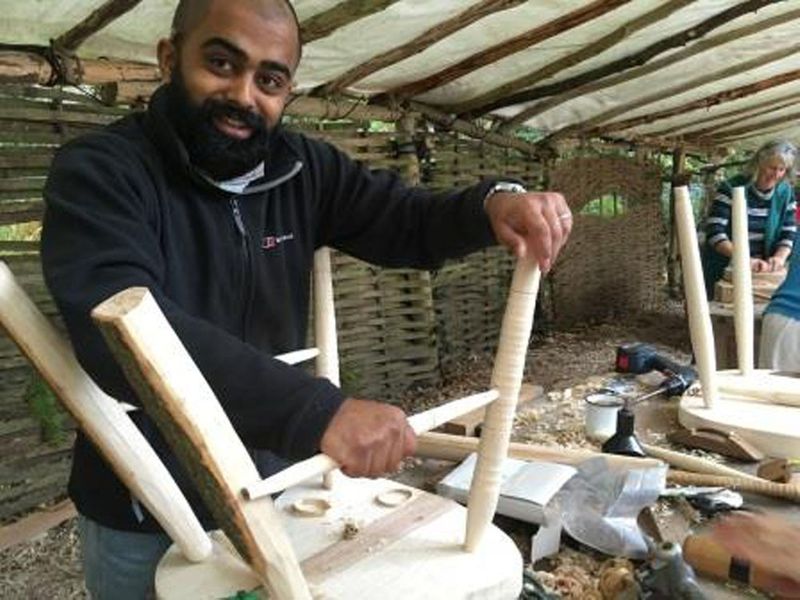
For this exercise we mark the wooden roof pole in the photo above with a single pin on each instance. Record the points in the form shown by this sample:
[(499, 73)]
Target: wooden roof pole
[(28, 66), (728, 118), (620, 34), (97, 20), (712, 100), (760, 126), (516, 44), (632, 60), (418, 44), (682, 87), (325, 23), (719, 130), (696, 48)]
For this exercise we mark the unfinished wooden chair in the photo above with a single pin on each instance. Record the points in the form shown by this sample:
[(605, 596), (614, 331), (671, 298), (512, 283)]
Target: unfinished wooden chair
[(762, 406), (102, 419), (361, 539)]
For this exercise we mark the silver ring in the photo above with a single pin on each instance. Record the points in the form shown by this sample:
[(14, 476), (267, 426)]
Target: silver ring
[(565, 216)]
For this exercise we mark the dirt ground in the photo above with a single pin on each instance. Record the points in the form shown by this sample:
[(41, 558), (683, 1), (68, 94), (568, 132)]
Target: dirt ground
[(562, 362)]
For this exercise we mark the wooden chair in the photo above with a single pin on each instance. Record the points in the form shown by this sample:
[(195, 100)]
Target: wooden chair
[(361, 539), (762, 406)]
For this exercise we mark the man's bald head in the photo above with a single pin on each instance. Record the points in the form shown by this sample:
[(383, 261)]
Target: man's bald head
[(190, 12)]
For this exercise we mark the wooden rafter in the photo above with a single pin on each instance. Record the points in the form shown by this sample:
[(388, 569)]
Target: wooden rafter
[(323, 24), (345, 109), (729, 118), (761, 125), (696, 48), (32, 67), (633, 60), (478, 104), (97, 20), (507, 48), (419, 43), (681, 88), (722, 141), (702, 103)]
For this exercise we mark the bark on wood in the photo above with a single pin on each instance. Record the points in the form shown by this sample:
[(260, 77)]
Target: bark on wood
[(342, 14), (633, 60), (478, 105), (179, 399), (685, 86), (703, 103), (419, 43), (509, 47), (97, 20), (696, 48), (30, 67)]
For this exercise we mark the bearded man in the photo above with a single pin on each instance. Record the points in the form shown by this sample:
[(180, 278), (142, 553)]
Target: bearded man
[(210, 203)]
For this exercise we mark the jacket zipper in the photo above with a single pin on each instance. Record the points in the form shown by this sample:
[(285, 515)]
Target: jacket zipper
[(246, 272)]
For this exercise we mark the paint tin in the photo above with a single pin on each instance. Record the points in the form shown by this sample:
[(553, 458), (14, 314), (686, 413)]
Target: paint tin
[(601, 414)]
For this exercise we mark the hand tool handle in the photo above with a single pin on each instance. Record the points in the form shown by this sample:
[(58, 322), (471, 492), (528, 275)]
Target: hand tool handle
[(709, 558)]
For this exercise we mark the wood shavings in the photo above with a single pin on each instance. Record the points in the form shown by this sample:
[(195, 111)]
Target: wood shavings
[(617, 580), (310, 507), (394, 497), (350, 530)]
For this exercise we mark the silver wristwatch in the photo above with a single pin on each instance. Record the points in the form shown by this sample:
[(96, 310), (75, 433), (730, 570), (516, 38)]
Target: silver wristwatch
[(509, 187)]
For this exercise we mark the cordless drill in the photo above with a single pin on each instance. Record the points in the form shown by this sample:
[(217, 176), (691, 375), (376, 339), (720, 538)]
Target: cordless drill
[(640, 358)]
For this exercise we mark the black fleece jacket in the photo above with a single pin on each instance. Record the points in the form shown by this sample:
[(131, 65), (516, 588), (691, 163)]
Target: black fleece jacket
[(231, 272)]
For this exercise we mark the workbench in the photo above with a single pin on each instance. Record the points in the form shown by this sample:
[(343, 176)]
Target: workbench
[(725, 333)]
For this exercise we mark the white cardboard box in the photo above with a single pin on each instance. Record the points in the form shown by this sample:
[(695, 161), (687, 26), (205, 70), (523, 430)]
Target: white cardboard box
[(526, 488)]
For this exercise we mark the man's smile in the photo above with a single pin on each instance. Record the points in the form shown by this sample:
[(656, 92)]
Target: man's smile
[(233, 127)]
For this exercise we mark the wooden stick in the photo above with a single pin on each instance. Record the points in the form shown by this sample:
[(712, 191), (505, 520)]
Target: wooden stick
[(322, 463), (509, 366), (325, 318), (444, 446), (298, 356), (101, 418), (742, 283), (695, 463), (189, 415), (327, 364), (700, 329), (786, 491)]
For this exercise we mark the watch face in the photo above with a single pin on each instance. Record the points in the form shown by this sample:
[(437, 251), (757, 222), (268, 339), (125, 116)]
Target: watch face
[(513, 188)]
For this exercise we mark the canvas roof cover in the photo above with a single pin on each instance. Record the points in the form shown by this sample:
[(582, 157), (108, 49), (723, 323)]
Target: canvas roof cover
[(736, 84)]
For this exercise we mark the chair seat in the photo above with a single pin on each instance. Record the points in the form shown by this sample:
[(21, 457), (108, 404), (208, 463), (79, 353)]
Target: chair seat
[(404, 543)]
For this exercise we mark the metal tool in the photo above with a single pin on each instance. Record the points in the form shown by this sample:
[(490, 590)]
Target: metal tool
[(641, 358), (667, 575)]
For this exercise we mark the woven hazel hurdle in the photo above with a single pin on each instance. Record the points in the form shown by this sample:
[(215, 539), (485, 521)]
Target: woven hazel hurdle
[(611, 264)]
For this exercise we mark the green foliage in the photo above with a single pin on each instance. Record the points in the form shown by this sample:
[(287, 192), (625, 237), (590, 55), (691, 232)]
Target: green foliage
[(44, 408), (607, 205)]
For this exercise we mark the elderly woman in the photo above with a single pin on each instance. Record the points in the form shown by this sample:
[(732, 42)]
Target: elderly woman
[(770, 211)]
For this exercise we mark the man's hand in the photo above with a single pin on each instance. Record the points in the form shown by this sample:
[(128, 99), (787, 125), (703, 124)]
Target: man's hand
[(367, 438), (533, 224)]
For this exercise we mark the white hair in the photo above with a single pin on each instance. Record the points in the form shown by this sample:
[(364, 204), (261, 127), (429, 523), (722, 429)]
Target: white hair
[(783, 149)]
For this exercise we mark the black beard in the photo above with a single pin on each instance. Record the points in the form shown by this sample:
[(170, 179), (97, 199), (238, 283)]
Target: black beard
[(218, 155)]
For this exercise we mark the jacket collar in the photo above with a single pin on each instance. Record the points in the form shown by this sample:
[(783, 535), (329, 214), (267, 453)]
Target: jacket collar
[(281, 164)]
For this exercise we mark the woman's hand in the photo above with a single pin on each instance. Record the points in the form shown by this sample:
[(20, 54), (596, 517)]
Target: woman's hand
[(776, 263), (759, 266)]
